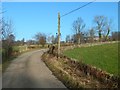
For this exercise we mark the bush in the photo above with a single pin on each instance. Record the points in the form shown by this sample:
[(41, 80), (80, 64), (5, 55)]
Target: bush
[(6, 53)]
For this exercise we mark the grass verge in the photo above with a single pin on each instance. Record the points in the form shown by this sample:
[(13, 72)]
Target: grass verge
[(67, 73)]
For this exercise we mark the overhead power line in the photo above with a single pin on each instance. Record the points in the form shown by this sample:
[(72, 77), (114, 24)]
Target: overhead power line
[(78, 8)]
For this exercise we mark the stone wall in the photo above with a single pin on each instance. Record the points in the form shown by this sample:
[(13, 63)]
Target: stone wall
[(102, 76)]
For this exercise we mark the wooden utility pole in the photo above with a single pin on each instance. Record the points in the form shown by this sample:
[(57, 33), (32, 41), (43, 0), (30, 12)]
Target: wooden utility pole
[(58, 33)]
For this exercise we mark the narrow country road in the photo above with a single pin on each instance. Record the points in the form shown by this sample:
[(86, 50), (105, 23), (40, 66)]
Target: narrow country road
[(29, 71)]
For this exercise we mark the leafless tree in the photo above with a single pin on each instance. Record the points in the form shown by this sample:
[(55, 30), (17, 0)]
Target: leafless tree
[(23, 41), (85, 37), (108, 29), (103, 26), (6, 29), (29, 42), (49, 39), (53, 39), (8, 37), (92, 34), (78, 26), (68, 39), (41, 38)]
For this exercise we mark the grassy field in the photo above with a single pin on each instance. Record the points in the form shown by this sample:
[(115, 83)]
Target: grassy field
[(102, 56)]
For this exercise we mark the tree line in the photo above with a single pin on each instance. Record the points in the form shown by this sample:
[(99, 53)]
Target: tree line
[(100, 32)]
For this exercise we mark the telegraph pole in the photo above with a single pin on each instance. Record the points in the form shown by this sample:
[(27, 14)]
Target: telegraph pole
[(63, 16), (58, 33)]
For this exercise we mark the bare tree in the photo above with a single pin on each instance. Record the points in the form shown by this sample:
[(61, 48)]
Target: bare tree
[(6, 29), (103, 26), (53, 39), (68, 39), (49, 39), (108, 28), (92, 34), (78, 26), (30, 42), (73, 38), (84, 37), (8, 38), (23, 41), (41, 38)]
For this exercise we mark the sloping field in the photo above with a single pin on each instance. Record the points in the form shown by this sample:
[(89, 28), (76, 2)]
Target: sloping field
[(102, 56)]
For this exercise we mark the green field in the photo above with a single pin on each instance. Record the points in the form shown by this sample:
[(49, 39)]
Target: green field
[(102, 56)]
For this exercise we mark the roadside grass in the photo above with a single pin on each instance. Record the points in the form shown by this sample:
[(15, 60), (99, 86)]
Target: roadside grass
[(55, 66), (67, 74), (102, 56)]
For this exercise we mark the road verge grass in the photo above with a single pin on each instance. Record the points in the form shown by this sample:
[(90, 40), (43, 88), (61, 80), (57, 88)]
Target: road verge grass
[(67, 73)]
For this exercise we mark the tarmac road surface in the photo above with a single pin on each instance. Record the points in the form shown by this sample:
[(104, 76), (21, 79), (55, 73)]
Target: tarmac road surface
[(29, 71)]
